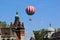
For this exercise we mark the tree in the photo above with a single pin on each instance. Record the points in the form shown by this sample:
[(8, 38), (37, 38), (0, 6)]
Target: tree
[(39, 35), (2, 24)]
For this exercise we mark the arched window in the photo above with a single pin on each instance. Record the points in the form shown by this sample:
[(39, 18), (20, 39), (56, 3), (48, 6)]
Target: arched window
[(3, 39), (12, 39), (8, 39)]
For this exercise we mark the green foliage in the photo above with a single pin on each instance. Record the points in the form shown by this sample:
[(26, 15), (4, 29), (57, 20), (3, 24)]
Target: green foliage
[(2, 24), (39, 35)]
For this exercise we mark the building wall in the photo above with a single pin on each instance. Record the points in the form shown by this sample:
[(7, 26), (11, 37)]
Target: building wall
[(0, 37), (49, 34), (22, 33), (22, 37), (7, 38)]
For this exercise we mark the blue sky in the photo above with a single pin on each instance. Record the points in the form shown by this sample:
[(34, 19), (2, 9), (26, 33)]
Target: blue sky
[(47, 11)]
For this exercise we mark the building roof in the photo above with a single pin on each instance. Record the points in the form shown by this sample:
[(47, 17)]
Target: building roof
[(50, 28), (5, 31), (56, 35)]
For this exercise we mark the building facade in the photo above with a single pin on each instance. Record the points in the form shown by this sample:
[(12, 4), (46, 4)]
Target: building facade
[(51, 34), (16, 31)]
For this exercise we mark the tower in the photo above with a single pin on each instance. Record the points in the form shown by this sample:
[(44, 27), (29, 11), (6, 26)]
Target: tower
[(17, 28), (50, 31)]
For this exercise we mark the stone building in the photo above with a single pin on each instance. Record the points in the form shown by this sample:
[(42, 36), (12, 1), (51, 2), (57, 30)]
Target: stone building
[(51, 34), (49, 31), (16, 30)]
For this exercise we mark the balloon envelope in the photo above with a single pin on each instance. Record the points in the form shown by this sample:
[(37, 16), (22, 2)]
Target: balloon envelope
[(30, 10)]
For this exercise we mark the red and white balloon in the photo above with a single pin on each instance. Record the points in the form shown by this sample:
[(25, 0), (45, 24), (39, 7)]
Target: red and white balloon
[(30, 10)]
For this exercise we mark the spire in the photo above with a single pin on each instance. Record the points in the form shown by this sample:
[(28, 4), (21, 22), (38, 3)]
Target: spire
[(50, 25), (16, 18), (17, 10), (50, 28), (22, 24), (11, 24), (17, 13)]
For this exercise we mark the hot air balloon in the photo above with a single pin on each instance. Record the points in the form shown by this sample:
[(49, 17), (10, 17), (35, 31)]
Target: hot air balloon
[(30, 10)]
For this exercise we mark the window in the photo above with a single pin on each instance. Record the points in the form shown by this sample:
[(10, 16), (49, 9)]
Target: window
[(12, 39), (8, 39), (3, 39)]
